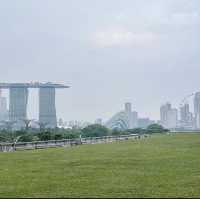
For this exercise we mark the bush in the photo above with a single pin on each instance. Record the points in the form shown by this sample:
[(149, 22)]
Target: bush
[(44, 136), (26, 138), (95, 130), (155, 128)]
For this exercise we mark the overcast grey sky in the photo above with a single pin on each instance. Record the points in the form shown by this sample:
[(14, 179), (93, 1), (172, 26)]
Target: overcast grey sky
[(109, 52)]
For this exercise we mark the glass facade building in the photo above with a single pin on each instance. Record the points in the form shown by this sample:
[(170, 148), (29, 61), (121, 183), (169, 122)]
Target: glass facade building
[(47, 107)]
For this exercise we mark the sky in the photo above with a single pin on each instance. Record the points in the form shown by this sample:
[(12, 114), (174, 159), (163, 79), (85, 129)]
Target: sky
[(109, 52)]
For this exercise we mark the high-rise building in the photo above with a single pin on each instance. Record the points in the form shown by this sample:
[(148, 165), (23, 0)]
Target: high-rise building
[(18, 104), (128, 111), (172, 118), (186, 117), (134, 119), (144, 122), (47, 107), (197, 110), (60, 122), (18, 93), (163, 113), (184, 113), (3, 108), (168, 116), (128, 107)]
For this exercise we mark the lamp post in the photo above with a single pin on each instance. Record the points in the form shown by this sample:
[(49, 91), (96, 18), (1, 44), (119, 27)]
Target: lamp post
[(80, 139)]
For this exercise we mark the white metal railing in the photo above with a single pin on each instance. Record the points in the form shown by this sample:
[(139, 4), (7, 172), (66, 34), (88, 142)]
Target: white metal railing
[(5, 147)]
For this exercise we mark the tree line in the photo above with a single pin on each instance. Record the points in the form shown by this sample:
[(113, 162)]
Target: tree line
[(94, 130)]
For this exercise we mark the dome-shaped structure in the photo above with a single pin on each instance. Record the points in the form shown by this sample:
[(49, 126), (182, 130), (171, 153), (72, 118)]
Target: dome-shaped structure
[(119, 121)]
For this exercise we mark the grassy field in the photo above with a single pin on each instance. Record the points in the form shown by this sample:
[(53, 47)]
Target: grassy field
[(160, 166)]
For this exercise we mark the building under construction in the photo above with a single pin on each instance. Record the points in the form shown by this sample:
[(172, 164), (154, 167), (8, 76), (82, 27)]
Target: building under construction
[(18, 101)]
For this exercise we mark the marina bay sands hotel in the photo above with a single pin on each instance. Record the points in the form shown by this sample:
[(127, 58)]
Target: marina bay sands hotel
[(18, 100)]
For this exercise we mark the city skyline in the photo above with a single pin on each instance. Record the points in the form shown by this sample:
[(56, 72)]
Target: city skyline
[(30, 111), (109, 52)]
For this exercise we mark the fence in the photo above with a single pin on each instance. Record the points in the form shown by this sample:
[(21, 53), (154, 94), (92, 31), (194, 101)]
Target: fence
[(6, 147)]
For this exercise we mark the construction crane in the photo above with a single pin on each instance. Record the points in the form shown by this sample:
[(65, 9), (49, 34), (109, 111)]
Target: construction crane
[(184, 100)]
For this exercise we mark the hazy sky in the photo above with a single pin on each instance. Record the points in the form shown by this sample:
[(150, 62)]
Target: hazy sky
[(109, 52)]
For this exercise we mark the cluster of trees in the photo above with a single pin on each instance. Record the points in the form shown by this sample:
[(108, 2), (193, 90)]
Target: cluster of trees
[(94, 130)]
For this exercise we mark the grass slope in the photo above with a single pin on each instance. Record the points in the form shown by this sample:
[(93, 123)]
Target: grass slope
[(160, 166)]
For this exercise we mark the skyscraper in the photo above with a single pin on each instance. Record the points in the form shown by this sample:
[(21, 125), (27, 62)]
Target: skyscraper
[(3, 108), (18, 104), (128, 107), (128, 111), (197, 110), (47, 107), (164, 113), (184, 113), (19, 100), (186, 117), (172, 118), (134, 119), (168, 116)]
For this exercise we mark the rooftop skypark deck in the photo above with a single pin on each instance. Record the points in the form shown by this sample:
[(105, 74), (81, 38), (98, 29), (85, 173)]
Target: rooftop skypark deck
[(31, 85)]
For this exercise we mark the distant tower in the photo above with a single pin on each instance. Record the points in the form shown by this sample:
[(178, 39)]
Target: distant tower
[(172, 118), (134, 119), (19, 100), (186, 116), (184, 113), (3, 108), (197, 110), (128, 107), (60, 122), (98, 121), (164, 109), (128, 111), (18, 104), (47, 107)]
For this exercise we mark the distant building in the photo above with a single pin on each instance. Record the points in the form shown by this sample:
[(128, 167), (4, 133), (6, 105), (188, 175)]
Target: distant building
[(118, 121), (163, 113), (98, 121), (18, 104), (128, 112), (172, 118), (186, 117), (197, 110), (134, 119), (47, 107), (125, 119), (60, 122), (74, 124), (3, 108), (144, 122), (168, 116), (18, 101)]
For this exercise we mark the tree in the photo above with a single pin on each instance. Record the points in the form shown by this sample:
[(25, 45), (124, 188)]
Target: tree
[(42, 125), (58, 136), (27, 123), (95, 130), (44, 136), (9, 124), (136, 131), (26, 138), (116, 132), (155, 128)]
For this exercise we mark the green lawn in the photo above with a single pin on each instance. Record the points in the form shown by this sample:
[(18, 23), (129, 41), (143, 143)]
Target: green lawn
[(160, 166)]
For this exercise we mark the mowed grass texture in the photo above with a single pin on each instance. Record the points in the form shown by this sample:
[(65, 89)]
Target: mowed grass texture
[(159, 166)]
